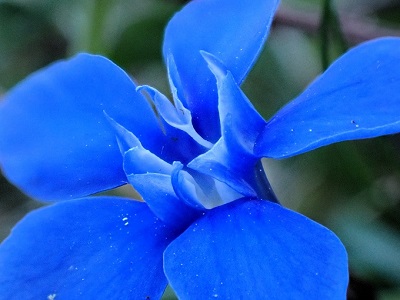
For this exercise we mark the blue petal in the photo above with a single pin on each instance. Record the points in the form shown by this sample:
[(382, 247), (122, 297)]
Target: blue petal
[(137, 159), (357, 97), (200, 191), (126, 139), (181, 142), (140, 161), (220, 164), (234, 31), (174, 79), (232, 160), (254, 249), (240, 121), (157, 191), (187, 189), (98, 248), (177, 116), (56, 143)]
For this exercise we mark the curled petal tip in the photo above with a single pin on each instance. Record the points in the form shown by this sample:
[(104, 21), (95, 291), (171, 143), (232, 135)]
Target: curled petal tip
[(214, 64)]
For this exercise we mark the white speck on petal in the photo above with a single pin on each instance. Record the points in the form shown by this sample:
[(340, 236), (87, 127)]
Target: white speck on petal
[(51, 297)]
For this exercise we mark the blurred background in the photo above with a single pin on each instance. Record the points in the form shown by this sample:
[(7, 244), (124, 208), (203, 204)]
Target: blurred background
[(353, 188)]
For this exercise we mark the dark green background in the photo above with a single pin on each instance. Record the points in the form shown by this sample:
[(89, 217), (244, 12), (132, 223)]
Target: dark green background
[(353, 187)]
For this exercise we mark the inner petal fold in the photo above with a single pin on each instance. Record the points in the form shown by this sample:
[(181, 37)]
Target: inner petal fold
[(176, 116)]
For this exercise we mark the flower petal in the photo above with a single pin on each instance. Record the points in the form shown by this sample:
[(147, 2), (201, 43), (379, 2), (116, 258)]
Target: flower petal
[(255, 249), (55, 141), (98, 248), (141, 161), (199, 190), (234, 31), (232, 159), (177, 116), (357, 97), (218, 164), (186, 188), (157, 191)]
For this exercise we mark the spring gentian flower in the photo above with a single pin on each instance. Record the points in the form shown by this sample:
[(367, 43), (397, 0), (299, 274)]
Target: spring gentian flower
[(210, 225)]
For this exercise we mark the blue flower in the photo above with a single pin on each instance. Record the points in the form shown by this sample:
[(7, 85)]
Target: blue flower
[(210, 225)]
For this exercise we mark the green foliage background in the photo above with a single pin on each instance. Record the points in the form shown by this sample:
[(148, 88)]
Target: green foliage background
[(353, 187)]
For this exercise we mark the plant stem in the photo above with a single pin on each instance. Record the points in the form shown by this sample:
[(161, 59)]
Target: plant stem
[(97, 16)]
